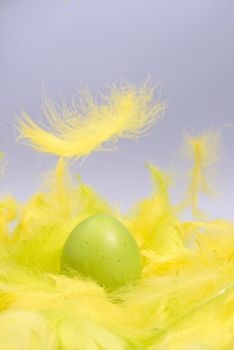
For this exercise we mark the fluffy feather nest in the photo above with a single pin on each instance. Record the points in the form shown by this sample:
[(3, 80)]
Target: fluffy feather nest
[(185, 299)]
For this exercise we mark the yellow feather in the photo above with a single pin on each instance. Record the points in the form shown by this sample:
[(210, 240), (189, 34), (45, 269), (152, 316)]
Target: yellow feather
[(8, 214), (87, 126), (203, 150)]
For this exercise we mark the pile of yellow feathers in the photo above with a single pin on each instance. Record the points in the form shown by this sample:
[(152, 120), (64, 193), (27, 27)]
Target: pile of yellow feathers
[(185, 299)]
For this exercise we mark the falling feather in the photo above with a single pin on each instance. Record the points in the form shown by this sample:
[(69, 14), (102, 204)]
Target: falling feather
[(86, 126)]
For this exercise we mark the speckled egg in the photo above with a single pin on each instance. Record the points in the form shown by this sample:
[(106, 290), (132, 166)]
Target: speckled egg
[(102, 248)]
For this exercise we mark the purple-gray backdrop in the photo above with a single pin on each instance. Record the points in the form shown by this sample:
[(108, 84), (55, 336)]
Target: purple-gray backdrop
[(62, 45)]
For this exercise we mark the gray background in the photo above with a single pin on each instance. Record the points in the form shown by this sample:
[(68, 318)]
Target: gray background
[(187, 46)]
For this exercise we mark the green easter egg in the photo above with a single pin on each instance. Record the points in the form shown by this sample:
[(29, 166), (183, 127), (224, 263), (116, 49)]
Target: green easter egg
[(101, 248)]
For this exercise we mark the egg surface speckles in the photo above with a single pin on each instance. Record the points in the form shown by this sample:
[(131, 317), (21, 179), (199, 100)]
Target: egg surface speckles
[(102, 248)]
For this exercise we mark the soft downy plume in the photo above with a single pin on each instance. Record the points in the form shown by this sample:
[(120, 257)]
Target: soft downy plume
[(8, 206), (87, 125), (9, 209), (203, 150)]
